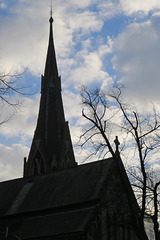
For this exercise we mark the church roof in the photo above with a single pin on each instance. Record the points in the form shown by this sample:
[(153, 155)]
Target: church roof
[(63, 188), (31, 206), (71, 222), (54, 190)]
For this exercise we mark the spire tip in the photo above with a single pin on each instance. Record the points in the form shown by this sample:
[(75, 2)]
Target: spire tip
[(51, 9), (51, 12)]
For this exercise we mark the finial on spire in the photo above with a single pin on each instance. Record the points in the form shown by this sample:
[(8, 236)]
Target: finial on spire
[(51, 12), (51, 8)]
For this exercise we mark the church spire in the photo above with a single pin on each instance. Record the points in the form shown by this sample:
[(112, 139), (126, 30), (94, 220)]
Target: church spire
[(51, 146), (51, 71)]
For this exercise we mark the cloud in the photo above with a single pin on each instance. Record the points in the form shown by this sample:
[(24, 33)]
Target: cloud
[(11, 161), (3, 5), (85, 22), (137, 57), (80, 4), (71, 111), (90, 68), (87, 67), (24, 32), (135, 6), (24, 121), (109, 8)]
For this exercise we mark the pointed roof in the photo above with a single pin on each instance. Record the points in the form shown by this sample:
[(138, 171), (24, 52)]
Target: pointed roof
[(51, 70), (51, 146)]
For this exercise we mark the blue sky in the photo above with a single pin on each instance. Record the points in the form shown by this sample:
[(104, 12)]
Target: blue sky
[(97, 43)]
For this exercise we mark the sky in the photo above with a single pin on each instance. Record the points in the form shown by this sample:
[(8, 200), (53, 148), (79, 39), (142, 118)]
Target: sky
[(97, 42)]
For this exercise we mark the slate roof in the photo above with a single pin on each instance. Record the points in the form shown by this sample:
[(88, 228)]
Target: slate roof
[(49, 191), (71, 222), (60, 202)]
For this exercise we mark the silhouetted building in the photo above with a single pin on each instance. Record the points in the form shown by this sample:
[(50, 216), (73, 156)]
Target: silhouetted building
[(56, 198), (51, 147)]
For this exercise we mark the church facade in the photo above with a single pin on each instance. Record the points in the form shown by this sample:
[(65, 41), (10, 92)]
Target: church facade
[(56, 198)]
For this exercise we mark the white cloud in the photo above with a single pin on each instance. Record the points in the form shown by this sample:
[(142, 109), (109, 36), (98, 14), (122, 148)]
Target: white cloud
[(72, 111), (137, 8), (137, 57), (80, 4), (3, 5), (90, 69), (11, 161), (88, 65), (86, 21), (24, 121), (133, 6), (24, 33), (109, 8)]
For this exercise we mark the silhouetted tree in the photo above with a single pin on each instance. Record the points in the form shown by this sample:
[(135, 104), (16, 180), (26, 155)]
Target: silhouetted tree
[(96, 105), (10, 92), (143, 130)]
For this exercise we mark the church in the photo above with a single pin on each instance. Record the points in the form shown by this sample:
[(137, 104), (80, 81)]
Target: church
[(58, 199)]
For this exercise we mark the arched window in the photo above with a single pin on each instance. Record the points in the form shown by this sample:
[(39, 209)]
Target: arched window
[(38, 164)]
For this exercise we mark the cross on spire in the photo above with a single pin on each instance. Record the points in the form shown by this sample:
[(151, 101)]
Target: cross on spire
[(51, 9), (117, 143)]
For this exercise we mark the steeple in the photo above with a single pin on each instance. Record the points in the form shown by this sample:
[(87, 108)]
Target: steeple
[(51, 147)]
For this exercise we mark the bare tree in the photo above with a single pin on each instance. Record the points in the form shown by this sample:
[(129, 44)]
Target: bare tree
[(154, 197), (10, 91), (143, 131), (95, 112)]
